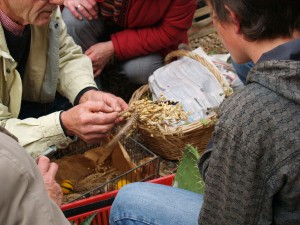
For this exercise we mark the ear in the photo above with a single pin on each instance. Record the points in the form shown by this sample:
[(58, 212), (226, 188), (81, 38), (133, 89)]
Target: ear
[(234, 19)]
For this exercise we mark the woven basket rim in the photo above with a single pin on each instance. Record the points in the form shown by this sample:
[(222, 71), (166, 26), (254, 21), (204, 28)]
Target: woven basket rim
[(211, 119)]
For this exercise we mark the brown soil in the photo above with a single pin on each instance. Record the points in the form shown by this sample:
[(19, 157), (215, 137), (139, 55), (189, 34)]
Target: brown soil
[(210, 43)]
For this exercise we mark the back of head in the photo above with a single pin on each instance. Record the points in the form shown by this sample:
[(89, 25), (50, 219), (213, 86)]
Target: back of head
[(261, 19)]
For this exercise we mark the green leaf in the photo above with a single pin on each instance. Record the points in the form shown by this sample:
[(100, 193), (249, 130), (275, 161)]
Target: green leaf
[(187, 175), (88, 220), (204, 121)]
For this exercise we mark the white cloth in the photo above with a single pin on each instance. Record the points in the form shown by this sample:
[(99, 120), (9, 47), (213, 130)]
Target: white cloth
[(190, 83)]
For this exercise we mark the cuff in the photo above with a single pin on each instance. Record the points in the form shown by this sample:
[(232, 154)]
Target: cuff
[(53, 132), (76, 101)]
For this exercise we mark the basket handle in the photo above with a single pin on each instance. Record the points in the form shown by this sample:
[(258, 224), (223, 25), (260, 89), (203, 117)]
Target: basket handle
[(218, 75)]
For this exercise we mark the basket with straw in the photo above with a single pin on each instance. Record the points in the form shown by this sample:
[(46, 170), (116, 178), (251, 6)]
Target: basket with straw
[(169, 143)]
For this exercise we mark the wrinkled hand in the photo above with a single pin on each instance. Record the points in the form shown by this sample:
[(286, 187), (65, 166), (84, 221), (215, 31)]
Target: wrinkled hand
[(116, 103), (90, 120), (48, 171), (87, 8), (100, 54)]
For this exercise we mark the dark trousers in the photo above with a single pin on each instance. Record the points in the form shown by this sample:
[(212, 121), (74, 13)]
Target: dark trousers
[(36, 110)]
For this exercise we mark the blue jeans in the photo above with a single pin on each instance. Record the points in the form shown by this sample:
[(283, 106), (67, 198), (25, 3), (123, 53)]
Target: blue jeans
[(155, 204)]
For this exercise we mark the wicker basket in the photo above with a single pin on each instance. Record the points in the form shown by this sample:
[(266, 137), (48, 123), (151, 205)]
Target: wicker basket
[(170, 144)]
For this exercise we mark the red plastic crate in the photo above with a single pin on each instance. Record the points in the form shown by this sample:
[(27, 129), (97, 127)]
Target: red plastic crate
[(81, 209)]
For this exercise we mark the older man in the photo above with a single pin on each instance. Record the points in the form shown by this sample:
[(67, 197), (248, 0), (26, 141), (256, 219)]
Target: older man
[(40, 63)]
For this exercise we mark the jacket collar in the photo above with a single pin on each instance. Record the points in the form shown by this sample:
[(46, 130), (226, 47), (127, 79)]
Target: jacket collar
[(287, 51), (4, 52)]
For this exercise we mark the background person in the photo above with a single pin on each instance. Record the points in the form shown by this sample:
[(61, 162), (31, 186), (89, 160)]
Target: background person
[(138, 34), (41, 64), (252, 171)]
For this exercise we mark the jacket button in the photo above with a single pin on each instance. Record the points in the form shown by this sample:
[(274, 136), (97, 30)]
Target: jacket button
[(7, 70)]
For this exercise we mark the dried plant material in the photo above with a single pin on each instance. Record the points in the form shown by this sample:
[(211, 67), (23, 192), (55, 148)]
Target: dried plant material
[(157, 115), (125, 130)]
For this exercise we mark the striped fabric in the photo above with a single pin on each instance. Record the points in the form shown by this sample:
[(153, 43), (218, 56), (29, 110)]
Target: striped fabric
[(10, 25), (111, 8)]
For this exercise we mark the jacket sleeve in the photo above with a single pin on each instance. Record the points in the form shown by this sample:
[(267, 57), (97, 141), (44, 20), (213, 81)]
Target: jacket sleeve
[(23, 198), (167, 34), (37, 135), (75, 68)]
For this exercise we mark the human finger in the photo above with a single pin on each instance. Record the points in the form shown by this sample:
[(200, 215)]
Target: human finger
[(43, 164), (53, 168), (83, 11), (72, 6), (90, 9), (59, 194), (117, 103), (97, 71), (49, 176), (98, 128), (98, 106)]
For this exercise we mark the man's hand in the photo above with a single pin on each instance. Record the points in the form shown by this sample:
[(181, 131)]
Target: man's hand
[(87, 8), (116, 103), (48, 171), (90, 120), (100, 54)]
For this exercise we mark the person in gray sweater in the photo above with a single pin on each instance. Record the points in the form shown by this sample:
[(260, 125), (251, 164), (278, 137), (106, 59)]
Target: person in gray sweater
[(252, 168)]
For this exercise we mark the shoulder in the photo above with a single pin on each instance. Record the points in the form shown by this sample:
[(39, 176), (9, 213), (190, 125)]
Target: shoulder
[(15, 161), (261, 122)]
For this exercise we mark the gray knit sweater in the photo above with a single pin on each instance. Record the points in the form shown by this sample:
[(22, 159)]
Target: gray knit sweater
[(252, 172)]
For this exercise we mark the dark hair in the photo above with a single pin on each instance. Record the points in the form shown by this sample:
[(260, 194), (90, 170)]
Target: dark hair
[(261, 19)]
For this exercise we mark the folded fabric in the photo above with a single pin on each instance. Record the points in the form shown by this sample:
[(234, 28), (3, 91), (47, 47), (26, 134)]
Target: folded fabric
[(190, 83)]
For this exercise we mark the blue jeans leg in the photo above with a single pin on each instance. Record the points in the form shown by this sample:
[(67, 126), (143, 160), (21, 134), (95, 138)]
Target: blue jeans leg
[(154, 204)]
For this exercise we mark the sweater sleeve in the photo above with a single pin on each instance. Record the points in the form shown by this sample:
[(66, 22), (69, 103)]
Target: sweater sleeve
[(168, 33)]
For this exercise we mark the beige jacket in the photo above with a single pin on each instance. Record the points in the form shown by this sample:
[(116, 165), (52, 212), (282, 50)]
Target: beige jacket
[(24, 199), (55, 63)]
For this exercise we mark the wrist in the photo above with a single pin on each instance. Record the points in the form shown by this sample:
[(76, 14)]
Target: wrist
[(111, 49), (83, 95), (62, 119)]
